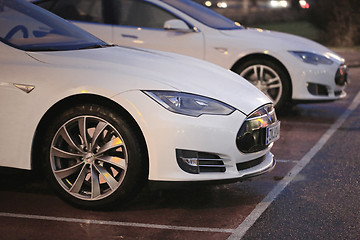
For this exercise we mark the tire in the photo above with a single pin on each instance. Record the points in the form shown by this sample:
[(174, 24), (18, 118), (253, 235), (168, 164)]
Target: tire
[(93, 157), (268, 77)]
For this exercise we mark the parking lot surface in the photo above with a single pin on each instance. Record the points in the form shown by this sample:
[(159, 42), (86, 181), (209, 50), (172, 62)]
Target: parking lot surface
[(311, 194)]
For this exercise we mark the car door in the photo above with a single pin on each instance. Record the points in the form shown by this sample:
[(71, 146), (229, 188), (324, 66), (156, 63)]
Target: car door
[(140, 23), (132, 23)]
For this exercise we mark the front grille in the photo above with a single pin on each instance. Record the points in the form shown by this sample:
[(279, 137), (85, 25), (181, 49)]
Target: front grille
[(253, 132), (250, 164), (341, 76)]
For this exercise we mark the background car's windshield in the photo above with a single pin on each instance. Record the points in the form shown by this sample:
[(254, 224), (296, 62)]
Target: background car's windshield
[(30, 28), (203, 14)]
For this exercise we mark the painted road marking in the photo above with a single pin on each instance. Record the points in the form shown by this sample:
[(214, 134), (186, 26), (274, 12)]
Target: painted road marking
[(124, 224), (114, 223), (286, 161)]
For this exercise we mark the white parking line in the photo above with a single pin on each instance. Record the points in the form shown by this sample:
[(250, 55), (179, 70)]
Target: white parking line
[(113, 223), (265, 203), (312, 124), (286, 161)]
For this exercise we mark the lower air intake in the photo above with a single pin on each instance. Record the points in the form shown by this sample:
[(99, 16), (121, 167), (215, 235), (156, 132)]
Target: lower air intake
[(199, 162)]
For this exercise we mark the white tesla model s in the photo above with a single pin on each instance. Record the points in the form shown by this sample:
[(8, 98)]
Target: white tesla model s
[(101, 120), (287, 68)]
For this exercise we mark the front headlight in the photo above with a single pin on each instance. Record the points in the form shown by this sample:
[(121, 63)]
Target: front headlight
[(189, 104), (312, 58)]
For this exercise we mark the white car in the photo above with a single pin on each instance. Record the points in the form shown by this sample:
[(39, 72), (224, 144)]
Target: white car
[(100, 120), (287, 68)]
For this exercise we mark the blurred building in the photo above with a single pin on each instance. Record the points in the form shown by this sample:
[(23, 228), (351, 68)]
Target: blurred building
[(247, 10), (247, 5)]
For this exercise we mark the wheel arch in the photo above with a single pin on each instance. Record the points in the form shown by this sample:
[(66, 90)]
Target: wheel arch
[(72, 100), (254, 56)]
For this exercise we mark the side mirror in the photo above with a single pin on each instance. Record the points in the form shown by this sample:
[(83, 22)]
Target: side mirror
[(177, 25)]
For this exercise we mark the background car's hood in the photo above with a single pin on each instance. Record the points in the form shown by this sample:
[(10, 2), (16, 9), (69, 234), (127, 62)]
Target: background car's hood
[(277, 41), (125, 69)]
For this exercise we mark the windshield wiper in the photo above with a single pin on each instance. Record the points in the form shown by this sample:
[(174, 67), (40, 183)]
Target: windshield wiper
[(97, 46), (54, 49)]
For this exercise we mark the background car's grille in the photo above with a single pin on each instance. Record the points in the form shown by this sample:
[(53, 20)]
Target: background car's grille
[(341, 76)]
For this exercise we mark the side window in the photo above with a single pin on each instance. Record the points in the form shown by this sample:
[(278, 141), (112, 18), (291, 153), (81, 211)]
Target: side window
[(138, 13), (81, 10), (19, 29)]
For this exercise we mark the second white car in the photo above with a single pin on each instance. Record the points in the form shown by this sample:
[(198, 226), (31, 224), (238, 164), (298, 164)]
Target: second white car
[(287, 68)]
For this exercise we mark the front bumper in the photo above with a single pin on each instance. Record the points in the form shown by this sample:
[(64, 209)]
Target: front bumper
[(318, 83), (165, 132)]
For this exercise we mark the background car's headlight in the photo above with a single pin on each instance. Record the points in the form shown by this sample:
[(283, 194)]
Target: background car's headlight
[(312, 58), (189, 104)]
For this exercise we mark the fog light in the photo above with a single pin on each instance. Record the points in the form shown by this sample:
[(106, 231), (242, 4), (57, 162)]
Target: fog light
[(188, 161), (194, 162)]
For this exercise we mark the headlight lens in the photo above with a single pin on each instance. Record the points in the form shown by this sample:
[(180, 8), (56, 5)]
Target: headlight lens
[(312, 58), (189, 104)]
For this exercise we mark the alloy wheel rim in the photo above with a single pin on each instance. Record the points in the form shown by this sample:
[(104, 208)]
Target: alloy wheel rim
[(265, 79), (88, 158)]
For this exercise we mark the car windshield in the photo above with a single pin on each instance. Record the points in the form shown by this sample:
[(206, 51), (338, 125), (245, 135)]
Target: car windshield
[(31, 28), (203, 14)]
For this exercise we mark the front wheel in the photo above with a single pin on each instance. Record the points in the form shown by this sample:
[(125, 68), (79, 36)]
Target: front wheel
[(93, 157), (269, 78)]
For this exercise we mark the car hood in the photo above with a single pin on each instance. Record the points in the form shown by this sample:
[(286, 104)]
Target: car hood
[(277, 41), (126, 69)]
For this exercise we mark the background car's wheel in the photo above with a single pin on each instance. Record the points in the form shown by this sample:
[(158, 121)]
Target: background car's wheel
[(271, 79), (93, 157)]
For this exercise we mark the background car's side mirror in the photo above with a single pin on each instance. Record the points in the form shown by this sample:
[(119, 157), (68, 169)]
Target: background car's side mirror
[(177, 25)]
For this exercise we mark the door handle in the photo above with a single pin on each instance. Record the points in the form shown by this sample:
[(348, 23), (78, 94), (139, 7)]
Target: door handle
[(129, 36)]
